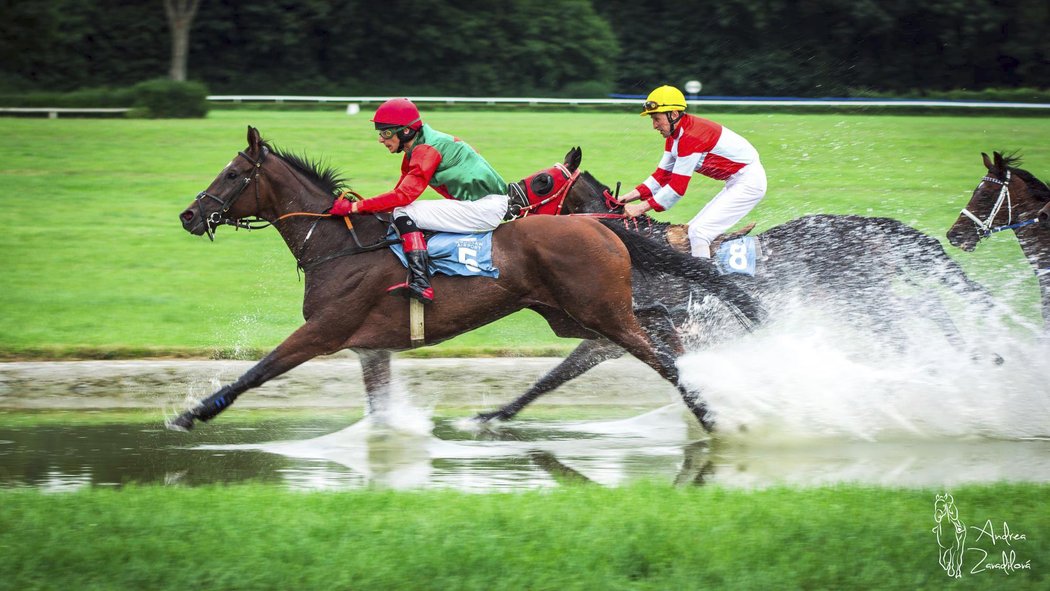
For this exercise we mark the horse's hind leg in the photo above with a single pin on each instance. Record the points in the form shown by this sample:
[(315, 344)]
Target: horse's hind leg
[(664, 336), (588, 354), (660, 352), (375, 372)]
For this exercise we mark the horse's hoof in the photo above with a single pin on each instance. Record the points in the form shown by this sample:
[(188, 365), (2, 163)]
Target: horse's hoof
[(183, 423), (488, 417), (708, 424)]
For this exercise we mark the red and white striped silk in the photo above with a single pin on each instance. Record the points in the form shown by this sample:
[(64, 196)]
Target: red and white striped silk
[(697, 145)]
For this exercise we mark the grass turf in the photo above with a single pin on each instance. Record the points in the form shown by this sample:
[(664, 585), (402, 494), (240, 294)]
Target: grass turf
[(578, 537), (95, 263)]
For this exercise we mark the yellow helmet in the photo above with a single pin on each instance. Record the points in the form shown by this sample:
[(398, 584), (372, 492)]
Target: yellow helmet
[(663, 100)]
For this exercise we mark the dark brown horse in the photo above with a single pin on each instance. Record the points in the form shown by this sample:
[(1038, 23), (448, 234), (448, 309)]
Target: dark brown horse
[(575, 272), (1009, 198), (849, 264)]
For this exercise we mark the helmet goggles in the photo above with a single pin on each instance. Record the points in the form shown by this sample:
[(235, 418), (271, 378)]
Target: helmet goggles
[(388, 131), (655, 107)]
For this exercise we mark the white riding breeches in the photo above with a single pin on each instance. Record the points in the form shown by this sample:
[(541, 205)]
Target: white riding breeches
[(461, 217), (742, 192)]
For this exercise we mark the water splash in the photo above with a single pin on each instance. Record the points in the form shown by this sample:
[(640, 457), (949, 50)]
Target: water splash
[(810, 375)]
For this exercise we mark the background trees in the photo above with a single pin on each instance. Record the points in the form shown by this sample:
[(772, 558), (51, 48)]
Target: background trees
[(533, 47)]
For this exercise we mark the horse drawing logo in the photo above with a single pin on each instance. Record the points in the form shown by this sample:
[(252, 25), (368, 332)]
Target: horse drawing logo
[(951, 536)]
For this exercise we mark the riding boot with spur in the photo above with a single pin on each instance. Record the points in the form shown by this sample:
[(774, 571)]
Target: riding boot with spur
[(415, 246)]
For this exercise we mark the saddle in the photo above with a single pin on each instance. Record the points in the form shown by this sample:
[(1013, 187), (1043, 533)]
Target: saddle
[(678, 237)]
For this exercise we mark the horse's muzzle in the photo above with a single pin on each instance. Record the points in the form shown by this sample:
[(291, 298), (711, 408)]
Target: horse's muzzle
[(192, 222), (966, 241)]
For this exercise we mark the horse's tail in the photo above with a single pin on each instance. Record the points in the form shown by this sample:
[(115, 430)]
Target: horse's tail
[(648, 254)]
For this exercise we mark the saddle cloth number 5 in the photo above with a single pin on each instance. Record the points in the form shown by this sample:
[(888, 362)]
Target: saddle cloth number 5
[(469, 258)]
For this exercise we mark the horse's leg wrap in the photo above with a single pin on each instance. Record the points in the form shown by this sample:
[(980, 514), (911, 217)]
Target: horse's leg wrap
[(214, 404), (207, 409), (415, 246)]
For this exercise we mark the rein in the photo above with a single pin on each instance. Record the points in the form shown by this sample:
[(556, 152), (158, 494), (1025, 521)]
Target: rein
[(218, 217), (612, 205)]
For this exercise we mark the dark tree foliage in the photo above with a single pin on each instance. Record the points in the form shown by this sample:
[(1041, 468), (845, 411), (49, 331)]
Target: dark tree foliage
[(403, 46), (828, 47), (534, 47), (69, 44)]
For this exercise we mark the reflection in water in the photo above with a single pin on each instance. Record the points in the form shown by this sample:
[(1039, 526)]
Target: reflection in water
[(663, 445)]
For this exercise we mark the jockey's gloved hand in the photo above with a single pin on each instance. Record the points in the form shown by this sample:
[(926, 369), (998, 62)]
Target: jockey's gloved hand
[(341, 207)]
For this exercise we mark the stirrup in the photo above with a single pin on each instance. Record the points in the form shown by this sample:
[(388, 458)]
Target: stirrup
[(406, 290)]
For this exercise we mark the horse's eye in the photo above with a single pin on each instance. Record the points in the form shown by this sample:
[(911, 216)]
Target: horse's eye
[(231, 175)]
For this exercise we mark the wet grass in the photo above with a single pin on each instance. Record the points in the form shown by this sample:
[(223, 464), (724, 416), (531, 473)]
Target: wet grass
[(574, 537), (96, 265)]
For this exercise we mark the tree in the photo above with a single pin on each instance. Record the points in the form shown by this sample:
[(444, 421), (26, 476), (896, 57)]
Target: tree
[(180, 15)]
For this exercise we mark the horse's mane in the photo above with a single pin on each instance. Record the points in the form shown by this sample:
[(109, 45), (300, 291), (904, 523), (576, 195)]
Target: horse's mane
[(327, 178), (597, 188)]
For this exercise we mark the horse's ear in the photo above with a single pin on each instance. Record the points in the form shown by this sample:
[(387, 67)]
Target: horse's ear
[(987, 161), (253, 139), (999, 161), (573, 158)]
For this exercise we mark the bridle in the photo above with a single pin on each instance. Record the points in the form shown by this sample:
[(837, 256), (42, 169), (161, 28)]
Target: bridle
[(985, 227), (558, 194), (218, 217)]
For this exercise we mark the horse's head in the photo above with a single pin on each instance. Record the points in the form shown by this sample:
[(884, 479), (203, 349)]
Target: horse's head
[(986, 206), (942, 506), (1006, 198), (224, 201), (544, 192)]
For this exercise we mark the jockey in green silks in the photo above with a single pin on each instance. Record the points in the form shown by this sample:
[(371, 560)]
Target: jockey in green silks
[(475, 194)]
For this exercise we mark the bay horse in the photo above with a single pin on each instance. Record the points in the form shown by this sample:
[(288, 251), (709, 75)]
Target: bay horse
[(847, 263), (1010, 198), (575, 272)]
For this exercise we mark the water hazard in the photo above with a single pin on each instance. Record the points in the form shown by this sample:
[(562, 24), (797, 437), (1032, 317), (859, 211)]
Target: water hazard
[(800, 403), (318, 453)]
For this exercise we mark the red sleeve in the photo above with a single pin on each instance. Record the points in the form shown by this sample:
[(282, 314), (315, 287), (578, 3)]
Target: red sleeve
[(416, 171), (653, 203)]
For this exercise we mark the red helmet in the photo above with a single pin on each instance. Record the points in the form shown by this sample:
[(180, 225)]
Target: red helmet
[(399, 112)]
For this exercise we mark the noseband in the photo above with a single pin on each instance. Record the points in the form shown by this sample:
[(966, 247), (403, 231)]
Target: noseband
[(985, 227), (218, 217)]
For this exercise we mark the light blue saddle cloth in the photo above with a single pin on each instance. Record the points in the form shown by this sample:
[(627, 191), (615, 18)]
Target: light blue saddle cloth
[(737, 256), (456, 254)]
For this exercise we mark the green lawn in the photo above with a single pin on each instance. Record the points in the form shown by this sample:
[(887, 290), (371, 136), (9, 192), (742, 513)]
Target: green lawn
[(96, 264), (576, 537)]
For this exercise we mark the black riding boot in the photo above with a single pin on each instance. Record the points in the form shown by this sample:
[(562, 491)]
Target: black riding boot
[(415, 246)]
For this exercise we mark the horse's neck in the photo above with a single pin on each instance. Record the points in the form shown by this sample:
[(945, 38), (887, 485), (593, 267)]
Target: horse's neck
[(1033, 238), (310, 236)]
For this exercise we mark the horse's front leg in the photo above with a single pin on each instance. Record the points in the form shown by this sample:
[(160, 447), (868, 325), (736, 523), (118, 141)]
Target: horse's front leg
[(304, 344)]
